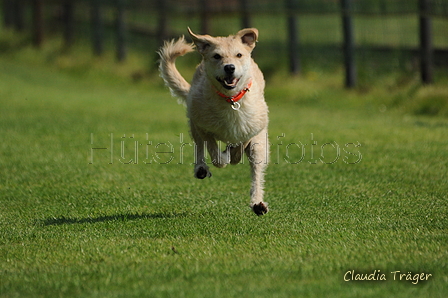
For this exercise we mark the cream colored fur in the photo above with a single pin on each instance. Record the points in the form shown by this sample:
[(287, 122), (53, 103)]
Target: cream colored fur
[(227, 67)]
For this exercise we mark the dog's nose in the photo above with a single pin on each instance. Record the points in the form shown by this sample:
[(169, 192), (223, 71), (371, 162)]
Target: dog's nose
[(229, 68)]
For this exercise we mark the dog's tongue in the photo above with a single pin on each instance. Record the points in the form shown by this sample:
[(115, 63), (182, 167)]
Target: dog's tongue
[(230, 81)]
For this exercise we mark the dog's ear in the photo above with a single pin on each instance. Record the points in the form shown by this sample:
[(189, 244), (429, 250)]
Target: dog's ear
[(202, 42), (248, 37)]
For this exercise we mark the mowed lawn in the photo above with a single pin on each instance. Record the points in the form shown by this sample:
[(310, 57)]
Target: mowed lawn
[(98, 199)]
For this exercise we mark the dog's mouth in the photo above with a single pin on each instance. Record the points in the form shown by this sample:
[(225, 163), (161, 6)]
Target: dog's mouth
[(229, 82)]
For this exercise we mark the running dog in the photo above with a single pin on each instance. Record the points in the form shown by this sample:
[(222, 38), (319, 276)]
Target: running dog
[(225, 102)]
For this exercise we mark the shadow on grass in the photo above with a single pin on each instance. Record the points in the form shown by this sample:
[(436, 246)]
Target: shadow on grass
[(117, 217)]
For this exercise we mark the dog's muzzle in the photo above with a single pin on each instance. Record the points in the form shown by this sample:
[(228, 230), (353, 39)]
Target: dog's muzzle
[(229, 81)]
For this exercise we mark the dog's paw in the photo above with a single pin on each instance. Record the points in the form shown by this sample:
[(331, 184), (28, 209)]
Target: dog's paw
[(202, 172), (260, 208), (223, 160), (219, 165)]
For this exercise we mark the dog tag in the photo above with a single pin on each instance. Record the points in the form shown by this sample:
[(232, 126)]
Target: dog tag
[(236, 106)]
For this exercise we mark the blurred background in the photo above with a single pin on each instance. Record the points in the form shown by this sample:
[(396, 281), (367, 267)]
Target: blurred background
[(363, 39)]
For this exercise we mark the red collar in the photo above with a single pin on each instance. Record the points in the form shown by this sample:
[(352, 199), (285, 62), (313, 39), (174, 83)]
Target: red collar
[(233, 99)]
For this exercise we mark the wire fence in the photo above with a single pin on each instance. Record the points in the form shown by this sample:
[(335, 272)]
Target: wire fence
[(366, 36)]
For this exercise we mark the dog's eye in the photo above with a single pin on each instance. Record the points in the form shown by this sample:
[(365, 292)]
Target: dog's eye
[(239, 55), (217, 56)]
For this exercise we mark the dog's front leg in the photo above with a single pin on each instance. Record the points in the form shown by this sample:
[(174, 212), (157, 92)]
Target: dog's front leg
[(201, 169), (257, 152), (205, 141)]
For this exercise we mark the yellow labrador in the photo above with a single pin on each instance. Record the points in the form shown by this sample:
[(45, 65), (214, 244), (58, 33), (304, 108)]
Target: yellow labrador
[(225, 102)]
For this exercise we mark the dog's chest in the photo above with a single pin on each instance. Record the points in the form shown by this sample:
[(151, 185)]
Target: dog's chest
[(231, 126)]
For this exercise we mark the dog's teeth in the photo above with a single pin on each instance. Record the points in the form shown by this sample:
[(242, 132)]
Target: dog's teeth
[(229, 82)]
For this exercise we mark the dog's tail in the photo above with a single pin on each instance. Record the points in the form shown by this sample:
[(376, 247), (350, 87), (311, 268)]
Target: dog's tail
[(173, 79)]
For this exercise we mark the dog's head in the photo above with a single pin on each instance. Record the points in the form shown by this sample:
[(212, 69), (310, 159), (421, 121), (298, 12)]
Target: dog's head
[(227, 59)]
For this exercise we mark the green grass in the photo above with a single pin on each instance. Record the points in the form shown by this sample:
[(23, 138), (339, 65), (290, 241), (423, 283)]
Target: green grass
[(71, 228)]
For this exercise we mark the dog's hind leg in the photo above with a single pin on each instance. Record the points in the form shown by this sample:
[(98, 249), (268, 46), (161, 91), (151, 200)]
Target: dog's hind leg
[(257, 152), (236, 152), (219, 159)]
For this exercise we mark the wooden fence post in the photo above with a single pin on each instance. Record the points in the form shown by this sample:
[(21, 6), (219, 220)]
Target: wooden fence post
[(349, 44), (162, 29), (293, 38), (205, 19), (97, 28), (37, 27), (69, 23), (17, 15), (8, 20), (244, 6), (426, 50), (121, 31)]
